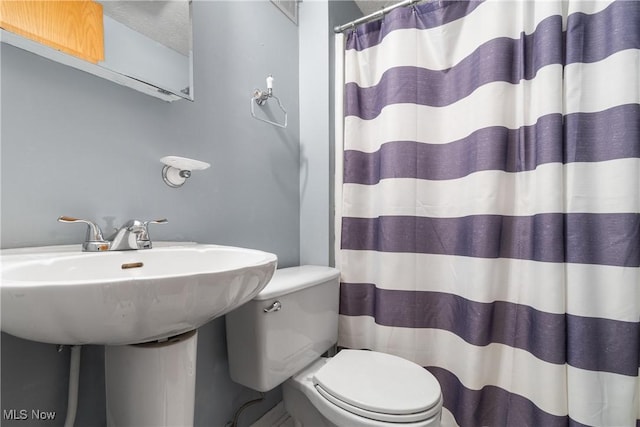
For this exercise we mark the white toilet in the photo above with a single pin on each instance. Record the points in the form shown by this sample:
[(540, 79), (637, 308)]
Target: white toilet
[(280, 335)]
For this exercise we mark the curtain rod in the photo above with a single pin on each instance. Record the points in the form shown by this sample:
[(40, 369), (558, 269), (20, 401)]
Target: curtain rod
[(373, 16)]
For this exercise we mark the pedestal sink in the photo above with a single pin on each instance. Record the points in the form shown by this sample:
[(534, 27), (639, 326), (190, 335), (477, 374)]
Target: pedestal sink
[(60, 295)]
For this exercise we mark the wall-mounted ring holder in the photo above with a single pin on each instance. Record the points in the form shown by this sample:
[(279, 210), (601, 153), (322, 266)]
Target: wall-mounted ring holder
[(261, 97), (176, 169)]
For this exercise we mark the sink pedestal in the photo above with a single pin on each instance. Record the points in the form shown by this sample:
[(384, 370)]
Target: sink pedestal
[(153, 384)]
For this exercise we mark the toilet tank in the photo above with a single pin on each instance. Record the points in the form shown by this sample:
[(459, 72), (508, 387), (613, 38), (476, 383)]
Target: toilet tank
[(266, 344)]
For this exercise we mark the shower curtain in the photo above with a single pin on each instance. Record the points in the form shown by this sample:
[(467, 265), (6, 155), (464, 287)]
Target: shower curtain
[(490, 205)]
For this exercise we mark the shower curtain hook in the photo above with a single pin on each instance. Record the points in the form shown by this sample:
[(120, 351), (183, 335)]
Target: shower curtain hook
[(380, 15), (414, 5)]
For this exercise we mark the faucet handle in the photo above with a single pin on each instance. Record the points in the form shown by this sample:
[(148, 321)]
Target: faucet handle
[(144, 241), (94, 241), (156, 221)]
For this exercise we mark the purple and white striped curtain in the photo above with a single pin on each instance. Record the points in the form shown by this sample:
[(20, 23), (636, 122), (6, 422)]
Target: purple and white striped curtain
[(490, 206)]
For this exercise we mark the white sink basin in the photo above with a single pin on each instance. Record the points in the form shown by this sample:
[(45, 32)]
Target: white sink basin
[(60, 295)]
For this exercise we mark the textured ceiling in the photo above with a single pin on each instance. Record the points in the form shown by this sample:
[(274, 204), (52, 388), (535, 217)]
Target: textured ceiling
[(370, 6), (167, 22)]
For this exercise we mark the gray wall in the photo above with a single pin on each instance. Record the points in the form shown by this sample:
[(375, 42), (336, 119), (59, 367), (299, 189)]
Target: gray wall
[(317, 20), (77, 145), (314, 133)]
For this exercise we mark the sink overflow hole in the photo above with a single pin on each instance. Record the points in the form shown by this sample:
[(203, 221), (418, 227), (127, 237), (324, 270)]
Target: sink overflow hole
[(132, 265)]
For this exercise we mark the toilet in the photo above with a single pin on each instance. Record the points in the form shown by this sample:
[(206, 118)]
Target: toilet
[(279, 337)]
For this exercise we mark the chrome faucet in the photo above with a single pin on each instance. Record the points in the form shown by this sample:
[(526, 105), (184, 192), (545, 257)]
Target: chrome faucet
[(134, 234)]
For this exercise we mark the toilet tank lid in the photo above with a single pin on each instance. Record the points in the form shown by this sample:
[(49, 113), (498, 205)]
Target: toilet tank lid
[(287, 280)]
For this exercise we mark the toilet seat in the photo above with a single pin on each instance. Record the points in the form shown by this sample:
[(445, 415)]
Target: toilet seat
[(379, 386)]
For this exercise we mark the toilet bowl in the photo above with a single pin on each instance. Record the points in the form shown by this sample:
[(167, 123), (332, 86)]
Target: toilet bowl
[(279, 338), (342, 392)]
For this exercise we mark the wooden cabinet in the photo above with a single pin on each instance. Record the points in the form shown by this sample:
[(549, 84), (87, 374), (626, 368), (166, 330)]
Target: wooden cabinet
[(74, 27)]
